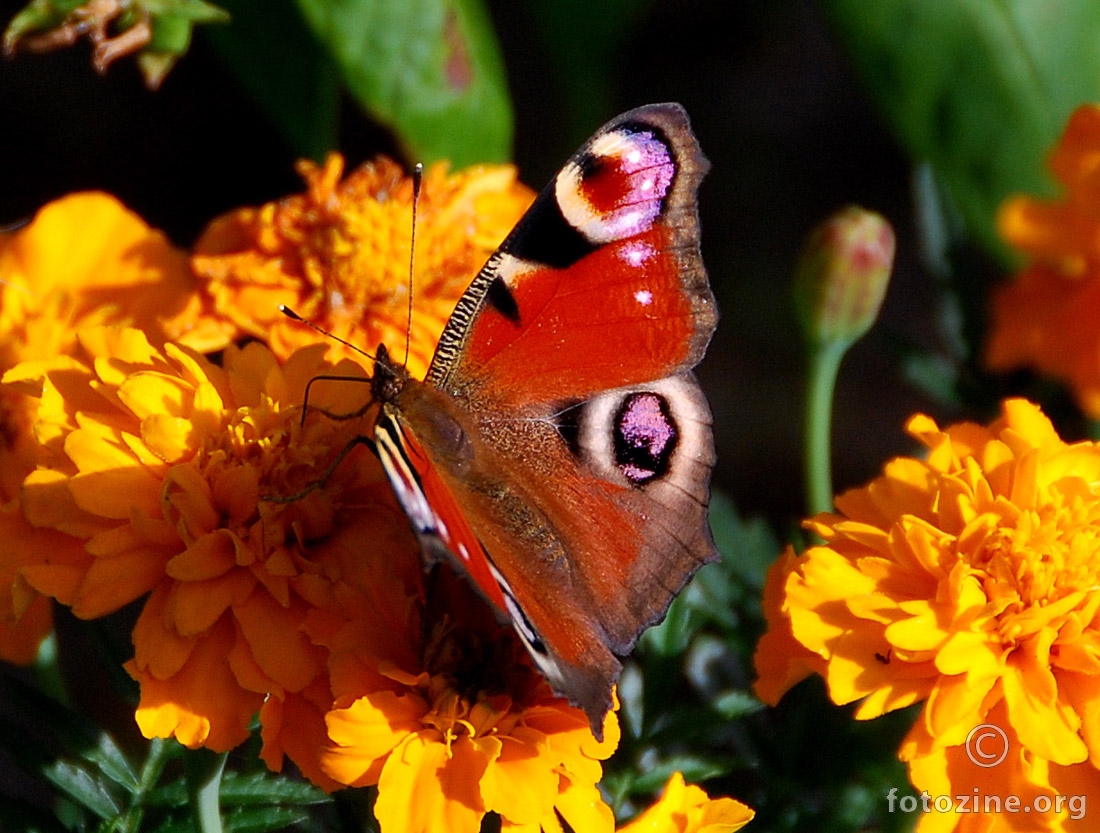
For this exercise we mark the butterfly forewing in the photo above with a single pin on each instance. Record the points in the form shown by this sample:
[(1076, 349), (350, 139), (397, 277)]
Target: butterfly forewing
[(558, 312)]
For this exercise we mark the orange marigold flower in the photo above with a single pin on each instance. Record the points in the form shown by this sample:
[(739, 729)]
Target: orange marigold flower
[(457, 723), (1020, 791), (685, 808), (1046, 318), (199, 486), (965, 580), (339, 254), (83, 260)]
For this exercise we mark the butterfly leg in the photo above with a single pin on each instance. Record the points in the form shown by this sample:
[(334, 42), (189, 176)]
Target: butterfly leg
[(361, 439), (331, 378)]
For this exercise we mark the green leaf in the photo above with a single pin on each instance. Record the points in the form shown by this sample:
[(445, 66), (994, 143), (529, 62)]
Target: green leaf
[(276, 58), (37, 16), (171, 35), (748, 545), (109, 759), (263, 819), (980, 89), (735, 704), (430, 70), (197, 11), (695, 768), (84, 788), (240, 789), (266, 788)]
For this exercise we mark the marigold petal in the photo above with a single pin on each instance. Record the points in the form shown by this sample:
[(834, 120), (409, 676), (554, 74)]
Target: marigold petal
[(850, 676), (188, 503), (951, 770), (583, 807), (118, 352), (1044, 724), (169, 438), (685, 808), (59, 578), (426, 786), (955, 706), (159, 650), (903, 689), (193, 606), (150, 393), (924, 630), (210, 556), (969, 652), (236, 492), (113, 581), (366, 732), (201, 705), (26, 617), (1082, 692), (780, 660), (280, 647), (521, 784), (294, 725)]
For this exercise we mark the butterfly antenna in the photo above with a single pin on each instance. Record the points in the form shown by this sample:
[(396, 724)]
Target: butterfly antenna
[(293, 316), (418, 179)]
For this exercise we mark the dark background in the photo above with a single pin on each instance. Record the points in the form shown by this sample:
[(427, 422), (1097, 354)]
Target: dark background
[(776, 107)]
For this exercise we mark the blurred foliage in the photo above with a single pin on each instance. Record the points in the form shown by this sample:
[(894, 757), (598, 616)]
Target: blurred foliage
[(980, 90), (157, 31), (586, 57), (431, 71), (99, 786), (301, 97)]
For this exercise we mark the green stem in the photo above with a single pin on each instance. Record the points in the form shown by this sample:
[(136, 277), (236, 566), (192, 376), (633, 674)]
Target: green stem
[(824, 364), (204, 780), (160, 752)]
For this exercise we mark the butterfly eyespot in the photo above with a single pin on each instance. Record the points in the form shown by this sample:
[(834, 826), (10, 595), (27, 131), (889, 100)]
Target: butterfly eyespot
[(617, 188), (645, 437)]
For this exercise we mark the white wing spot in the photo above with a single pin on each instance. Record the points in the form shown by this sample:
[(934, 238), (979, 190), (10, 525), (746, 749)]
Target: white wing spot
[(643, 297), (637, 253)]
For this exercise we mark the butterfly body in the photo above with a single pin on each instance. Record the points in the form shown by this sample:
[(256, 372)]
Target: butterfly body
[(559, 450)]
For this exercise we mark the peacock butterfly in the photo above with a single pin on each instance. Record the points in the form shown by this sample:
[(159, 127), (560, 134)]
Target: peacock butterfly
[(559, 450)]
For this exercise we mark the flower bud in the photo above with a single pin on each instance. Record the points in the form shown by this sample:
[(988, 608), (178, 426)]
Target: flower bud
[(841, 277)]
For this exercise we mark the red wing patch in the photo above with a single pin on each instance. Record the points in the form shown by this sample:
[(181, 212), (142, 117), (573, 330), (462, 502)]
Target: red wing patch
[(433, 511)]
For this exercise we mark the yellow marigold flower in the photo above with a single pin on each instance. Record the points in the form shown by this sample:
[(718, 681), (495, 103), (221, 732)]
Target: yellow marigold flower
[(339, 254), (965, 580), (167, 470), (458, 724), (83, 260), (1046, 317), (685, 808)]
